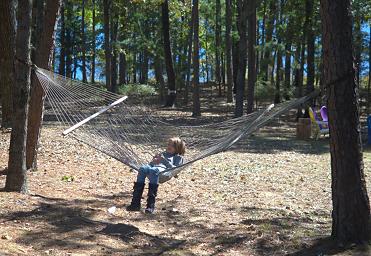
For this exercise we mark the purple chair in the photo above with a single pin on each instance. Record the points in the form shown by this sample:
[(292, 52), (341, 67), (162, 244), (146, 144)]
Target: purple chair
[(324, 113)]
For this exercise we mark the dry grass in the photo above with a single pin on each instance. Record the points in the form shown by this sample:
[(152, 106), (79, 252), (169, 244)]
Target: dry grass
[(270, 195)]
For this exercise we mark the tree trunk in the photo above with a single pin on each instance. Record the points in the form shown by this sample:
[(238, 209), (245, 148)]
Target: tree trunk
[(107, 45), (122, 69), (83, 43), (369, 72), (159, 77), (351, 208), (7, 52), (228, 49), (62, 55), (93, 44), (242, 7), (189, 56), (69, 44), (218, 28), (43, 58), (311, 47), (168, 56), (252, 55), (287, 70), (196, 62), (269, 36), (16, 179), (358, 45), (114, 23)]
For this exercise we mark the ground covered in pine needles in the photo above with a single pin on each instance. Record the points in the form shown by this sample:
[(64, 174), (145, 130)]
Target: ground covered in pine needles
[(270, 195)]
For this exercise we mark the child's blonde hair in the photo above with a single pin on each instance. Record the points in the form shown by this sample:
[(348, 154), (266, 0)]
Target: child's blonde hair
[(179, 145)]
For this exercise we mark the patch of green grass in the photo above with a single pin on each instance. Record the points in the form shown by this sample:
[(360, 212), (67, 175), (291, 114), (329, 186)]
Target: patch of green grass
[(137, 90)]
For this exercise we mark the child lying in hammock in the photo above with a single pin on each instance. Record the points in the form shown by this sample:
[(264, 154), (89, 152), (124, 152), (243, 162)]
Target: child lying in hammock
[(170, 158)]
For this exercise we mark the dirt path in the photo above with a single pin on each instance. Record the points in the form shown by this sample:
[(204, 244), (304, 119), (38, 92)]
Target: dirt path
[(270, 195)]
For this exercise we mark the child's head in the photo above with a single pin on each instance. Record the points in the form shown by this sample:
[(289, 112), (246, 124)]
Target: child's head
[(176, 146)]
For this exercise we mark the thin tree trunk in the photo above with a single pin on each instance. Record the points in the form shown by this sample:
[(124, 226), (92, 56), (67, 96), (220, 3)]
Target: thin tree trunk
[(228, 49), (311, 47), (252, 55), (16, 179), (196, 62), (93, 44), (114, 23), (269, 36), (168, 56), (218, 28), (69, 45), (62, 55), (189, 57), (83, 43), (122, 69), (43, 58), (107, 45), (242, 7), (287, 70), (351, 208), (7, 52), (159, 77)]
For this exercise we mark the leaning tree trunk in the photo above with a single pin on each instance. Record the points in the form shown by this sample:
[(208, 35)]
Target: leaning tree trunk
[(107, 46), (351, 208), (7, 52), (228, 49), (196, 62), (168, 56), (252, 56), (43, 58), (242, 6), (16, 179)]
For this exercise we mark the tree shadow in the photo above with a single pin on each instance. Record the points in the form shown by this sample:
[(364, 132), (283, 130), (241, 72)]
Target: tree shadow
[(69, 225)]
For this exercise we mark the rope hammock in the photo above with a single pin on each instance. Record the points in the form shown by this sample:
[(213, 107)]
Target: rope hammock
[(132, 134)]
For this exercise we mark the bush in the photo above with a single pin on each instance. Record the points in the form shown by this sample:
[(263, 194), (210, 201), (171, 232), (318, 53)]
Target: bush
[(137, 90)]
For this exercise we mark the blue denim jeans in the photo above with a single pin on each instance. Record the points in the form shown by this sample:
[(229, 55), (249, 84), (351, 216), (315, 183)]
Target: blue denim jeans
[(150, 172)]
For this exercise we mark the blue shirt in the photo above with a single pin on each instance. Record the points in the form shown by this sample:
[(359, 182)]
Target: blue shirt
[(169, 161)]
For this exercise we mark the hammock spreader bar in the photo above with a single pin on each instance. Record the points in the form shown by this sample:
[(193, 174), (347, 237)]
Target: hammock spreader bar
[(94, 115)]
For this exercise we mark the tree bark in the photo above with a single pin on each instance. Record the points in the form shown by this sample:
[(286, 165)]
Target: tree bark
[(189, 57), (83, 43), (62, 55), (43, 58), (114, 23), (251, 56), (107, 45), (287, 69), (159, 77), (242, 7), (69, 46), (93, 44), (228, 49), (168, 56), (16, 179), (122, 69), (196, 63), (7, 52), (269, 36), (310, 47), (218, 28), (351, 208), (369, 72)]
